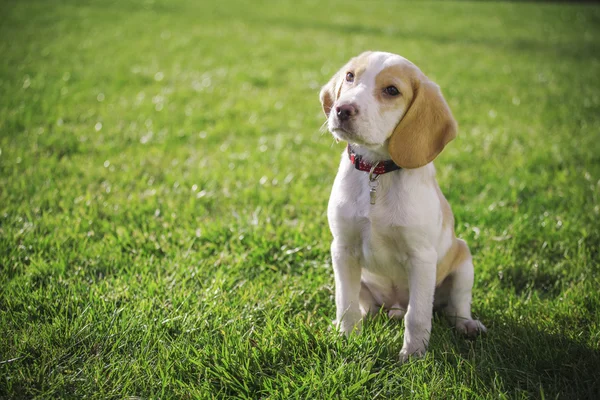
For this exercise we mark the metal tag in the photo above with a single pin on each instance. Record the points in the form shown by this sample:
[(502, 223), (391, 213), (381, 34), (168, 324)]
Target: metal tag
[(373, 194), (373, 183)]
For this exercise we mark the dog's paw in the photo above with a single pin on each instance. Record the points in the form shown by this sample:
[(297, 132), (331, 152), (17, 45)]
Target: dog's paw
[(407, 353), (346, 328), (396, 313), (470, 327)]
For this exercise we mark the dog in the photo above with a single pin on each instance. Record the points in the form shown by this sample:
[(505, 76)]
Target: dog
[(394, 246)]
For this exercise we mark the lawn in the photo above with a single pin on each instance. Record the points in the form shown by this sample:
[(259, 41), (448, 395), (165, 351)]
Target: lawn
[(164, 182)]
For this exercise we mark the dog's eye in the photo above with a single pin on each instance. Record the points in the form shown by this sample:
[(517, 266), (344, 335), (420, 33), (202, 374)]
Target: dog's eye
[(391, 90), (349, 77)]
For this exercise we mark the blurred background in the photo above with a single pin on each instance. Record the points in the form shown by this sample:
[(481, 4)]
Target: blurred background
[(164, 181)]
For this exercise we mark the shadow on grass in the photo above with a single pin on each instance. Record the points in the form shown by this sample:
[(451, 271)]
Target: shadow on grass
[(522, 360)]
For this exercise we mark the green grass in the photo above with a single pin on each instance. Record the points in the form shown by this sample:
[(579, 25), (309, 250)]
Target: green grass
[(163, 187)]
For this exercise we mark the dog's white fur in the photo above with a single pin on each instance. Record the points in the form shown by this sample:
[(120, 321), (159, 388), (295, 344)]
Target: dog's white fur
[(401, 253)]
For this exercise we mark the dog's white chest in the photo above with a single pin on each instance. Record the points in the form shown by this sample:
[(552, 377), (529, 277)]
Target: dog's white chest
[(384, 247), (383, 233), (384, 268)]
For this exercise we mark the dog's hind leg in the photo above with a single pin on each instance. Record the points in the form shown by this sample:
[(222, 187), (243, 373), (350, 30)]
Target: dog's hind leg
[(460, 284)]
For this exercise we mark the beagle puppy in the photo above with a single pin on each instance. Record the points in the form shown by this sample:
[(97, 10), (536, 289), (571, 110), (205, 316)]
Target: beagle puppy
[(394, 245)]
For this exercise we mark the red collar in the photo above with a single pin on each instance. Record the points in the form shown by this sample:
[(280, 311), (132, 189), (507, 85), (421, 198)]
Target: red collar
[(382, 167)]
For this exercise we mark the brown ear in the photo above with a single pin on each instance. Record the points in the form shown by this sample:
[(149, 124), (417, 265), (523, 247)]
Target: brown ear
[(425, 128), (330, 92)]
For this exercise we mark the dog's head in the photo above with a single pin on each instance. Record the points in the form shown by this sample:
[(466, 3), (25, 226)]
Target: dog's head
[(383, 100)]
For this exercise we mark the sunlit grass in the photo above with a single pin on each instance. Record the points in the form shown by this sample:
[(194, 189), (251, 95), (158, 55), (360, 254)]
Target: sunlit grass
[(163, 186)]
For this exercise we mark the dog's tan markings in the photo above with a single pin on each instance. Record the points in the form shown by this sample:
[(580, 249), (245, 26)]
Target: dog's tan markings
[(458, 251), (333, 89), (454, 257), (399, 75), (330, 92), (359, 65), (426, 127)]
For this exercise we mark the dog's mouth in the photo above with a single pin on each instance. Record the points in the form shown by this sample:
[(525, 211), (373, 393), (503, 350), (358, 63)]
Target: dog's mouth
[(343, 135), (341, 131), (351, 137)]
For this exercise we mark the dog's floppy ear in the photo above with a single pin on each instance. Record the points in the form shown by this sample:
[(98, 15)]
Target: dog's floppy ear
[(427, 126), (331, 91)]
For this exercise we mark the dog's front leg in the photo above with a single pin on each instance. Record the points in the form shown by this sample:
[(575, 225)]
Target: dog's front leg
[(417, 322), (346, 268)]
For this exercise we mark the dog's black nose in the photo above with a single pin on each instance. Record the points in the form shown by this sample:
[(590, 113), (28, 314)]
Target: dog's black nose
[(346, 111)]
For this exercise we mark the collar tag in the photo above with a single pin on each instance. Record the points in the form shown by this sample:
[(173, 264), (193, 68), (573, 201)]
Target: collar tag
[(373, 183)]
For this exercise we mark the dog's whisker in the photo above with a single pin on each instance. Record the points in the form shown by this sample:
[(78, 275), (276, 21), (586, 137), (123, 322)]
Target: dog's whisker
[(323, 127)]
